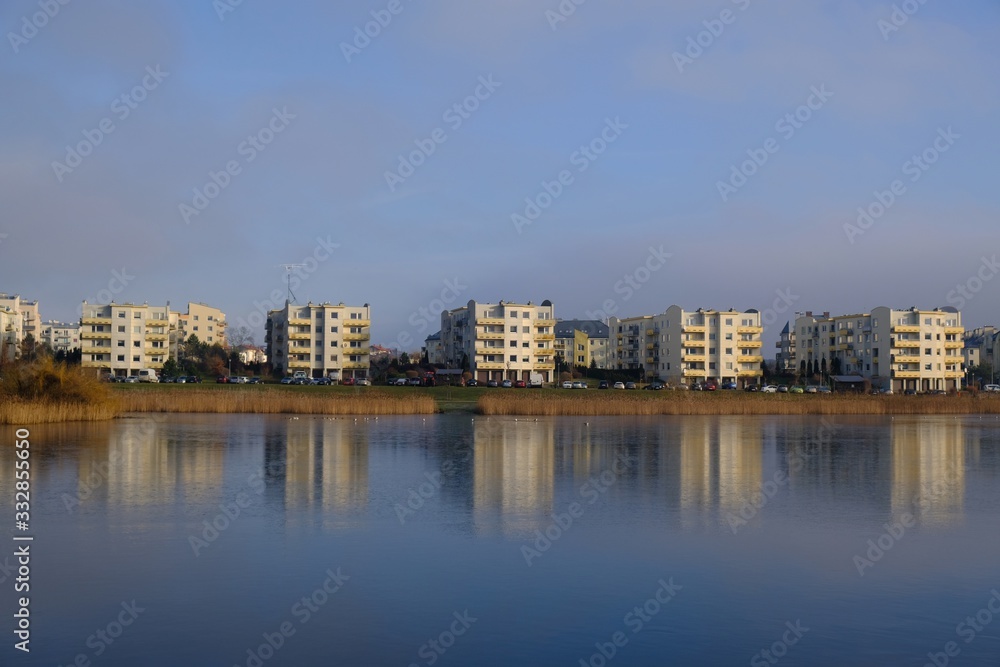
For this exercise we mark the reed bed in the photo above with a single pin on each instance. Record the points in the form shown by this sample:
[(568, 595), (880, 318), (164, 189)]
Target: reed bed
[(44, 392), (676, 403), (21, 412), (264, 400)]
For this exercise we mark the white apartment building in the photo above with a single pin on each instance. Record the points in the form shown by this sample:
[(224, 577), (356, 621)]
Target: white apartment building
[(201, 320), (898, 349), (501, 341), (433, 349), (324, 340), (61, 336), (784, 360), (680, 346), (9, 330), (592, 335), (26, 320), (122, 338)]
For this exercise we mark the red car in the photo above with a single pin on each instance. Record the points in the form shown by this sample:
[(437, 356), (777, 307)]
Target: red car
[(221, 379), (520, 384), (348, 382)]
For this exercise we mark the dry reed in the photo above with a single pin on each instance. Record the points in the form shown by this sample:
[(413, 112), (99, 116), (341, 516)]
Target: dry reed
[(733, 404), (266, 400)]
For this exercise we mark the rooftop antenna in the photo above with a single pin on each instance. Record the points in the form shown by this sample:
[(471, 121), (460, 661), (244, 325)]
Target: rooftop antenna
[(288, 278)]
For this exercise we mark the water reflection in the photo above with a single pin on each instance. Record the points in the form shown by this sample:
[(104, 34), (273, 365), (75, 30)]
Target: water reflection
[(928, 468)]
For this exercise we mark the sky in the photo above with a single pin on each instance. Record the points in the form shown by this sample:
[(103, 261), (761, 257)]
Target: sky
[(614, 158)]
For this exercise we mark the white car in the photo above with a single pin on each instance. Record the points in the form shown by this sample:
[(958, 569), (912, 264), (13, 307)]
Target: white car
[(769, 389), (992, 387), (619, 385), (567, 385), (579, 385)]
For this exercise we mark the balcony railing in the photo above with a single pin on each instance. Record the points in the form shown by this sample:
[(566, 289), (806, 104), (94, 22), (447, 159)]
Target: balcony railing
[(544, 367), (545, 323), (953, 345), (906, 375), (299, 322), (693, 357), (545, 336), (491, 350), (749, 330), (489, 366), (156, 336), (907, 359), (95, 334), (693, 328), (749, 359), (693, 372), (299, 336), (97, 320), (96, 350), (694, 343), (906, 343), (490, 321), (954, 330), (490, 335), (906, 328), (754, 343), (355, 365), (357, 336), (295, 363)]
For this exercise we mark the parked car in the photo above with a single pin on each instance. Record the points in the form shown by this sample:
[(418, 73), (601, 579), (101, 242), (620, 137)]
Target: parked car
[(567, 384), (655, 385), (796, 390), (131, 379), (286, 380), (729, 385), (363, 382), (257, 380), (769, 389), (603, 385), (520, 384), (579, 384), (222, 379), (992, 387), (414, 382), (326, 382), (751, 388), (682, 387), (910, 392), (812, 389), (177, 380), (193, 379), (826, 390), (630, 385), (471, 382), (782, 389), (492, 383), (506, 384), (347, 382), (619, 385)]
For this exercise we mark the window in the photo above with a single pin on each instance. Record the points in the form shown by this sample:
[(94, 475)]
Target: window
[(513, 313), (121, 314), (729, 365), (121, 343), (513, 343), (333, 329), (711, 366), (121, 329), (525, 329), (927, 350), (334, 315), (729, 350), (195, 318), (513, 329), (137, 329), (729, 336), (927, 336), (135, 358), (524, 360), (711, 350), (927, 367), (319, 357), (211, 328), (121, 357), (513, 357), (525, 344), (137, 343), (729, 321)]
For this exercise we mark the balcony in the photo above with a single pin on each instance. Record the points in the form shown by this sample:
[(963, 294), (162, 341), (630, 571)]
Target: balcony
[(294, 363), (299, 322), (955, 330), (97, 320), (357, 323), (357, 336), (749, 330), (96, 334), (96, 350), (300, 336), (954, 375), (754, 343), (491, 321), (652, 332), (156, 336), (157, 323), (906, 328), (491, 350), (953, 345), (906, 343), (694, 343), (489, 366), (906, 375), (907, 359), (749, 359), (544, 323), (490, 335), (543, 352), (693, 357), (693, 328), (749, 373), (154, 364), (544, 367), (354, 365), (693, 372), (952, 361), (95, 364), (155, 351), (545, 336)]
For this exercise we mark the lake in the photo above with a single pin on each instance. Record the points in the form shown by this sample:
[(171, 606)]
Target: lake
[(465, 540)]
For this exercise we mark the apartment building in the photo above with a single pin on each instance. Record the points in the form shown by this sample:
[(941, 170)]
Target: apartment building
[(9, 329), (324, 340), (433, 349), (122, 338), (501, 341), (784, 360), (981, 349), (25, 321), (201, 320), (582, 342), (61, 336), (896, 349), (680, 346)]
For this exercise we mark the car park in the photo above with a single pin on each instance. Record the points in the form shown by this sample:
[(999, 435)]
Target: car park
[(619, 385), (603, 384)]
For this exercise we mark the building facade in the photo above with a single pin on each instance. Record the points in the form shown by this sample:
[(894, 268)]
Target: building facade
[(9, 330), (912, 349), (680, 346), (433, 349), (123, 338), (324, 340), (784, 360), (61, 336), (592, 335), (501, 341), (22, 320)]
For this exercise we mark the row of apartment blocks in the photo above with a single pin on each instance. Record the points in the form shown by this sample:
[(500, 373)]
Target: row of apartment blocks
[(915, 349), (321, 340)]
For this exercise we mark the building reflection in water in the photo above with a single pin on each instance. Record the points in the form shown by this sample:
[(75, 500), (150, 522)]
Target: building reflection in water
[(928, 468), (324, 467), (513, 475)]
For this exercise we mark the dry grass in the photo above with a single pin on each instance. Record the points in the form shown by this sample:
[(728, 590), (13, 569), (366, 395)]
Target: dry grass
[(267, 400), (45, 392), (685, 403)]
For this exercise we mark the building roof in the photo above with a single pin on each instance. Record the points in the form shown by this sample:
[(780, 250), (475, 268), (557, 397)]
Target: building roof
[(785, 330), (434, 336), (593, 328)]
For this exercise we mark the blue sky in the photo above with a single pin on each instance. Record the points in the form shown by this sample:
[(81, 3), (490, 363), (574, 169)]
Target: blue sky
[(891, 94)]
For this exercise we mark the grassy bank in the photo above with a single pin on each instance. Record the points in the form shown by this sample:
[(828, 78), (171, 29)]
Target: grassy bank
[(269, 399), (45, 392), (727, 403)]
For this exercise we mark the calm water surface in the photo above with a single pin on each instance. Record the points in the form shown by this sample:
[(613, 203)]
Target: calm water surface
[(449, 540)]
